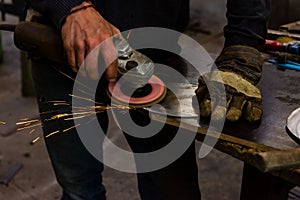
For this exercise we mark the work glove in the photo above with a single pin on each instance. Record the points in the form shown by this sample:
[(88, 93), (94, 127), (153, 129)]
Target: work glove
[(239, 69)]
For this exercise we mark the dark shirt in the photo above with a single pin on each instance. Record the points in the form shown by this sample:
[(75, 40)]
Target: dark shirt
[(247, 19), (124, 14)]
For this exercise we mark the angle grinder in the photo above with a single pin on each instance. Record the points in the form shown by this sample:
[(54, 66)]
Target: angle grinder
[(136, 85)]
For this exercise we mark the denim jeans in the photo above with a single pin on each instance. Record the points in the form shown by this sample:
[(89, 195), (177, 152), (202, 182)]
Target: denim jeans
[(78, 172)]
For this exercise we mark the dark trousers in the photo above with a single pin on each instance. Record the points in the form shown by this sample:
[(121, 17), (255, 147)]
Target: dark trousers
[(78, 172), (247, 22)]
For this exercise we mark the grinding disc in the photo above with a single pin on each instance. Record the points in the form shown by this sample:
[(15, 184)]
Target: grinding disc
[(293, 125), (158, 92)]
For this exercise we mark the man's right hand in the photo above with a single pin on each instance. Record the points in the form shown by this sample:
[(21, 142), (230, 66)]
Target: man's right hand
[(84, 30)]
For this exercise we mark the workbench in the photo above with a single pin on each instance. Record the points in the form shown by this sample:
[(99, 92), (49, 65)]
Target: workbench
[(268, 152)]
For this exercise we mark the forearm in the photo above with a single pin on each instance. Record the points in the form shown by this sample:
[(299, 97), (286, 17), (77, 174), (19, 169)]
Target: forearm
[(247, 22), (55, 10)]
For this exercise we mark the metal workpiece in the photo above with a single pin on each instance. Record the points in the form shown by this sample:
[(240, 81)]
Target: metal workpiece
[(178, 102), (266, 146)]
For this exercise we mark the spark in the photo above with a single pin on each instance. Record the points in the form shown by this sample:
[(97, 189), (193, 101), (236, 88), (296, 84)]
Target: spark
[(81, 107), (2, 123), (58, 116), (32, 131), (28, 124), (83, 113), (61, 104), (67, 129), (85, 92), (79, 112), (75, 80), (35, 140), (53, 133), (123, 107), (56, 101), (27, 127), (25, 123), (24, 119), (92, 108), (101, 108), (49, 112)]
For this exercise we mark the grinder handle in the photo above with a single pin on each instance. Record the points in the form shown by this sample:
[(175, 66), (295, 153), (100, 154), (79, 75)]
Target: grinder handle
[(39, 40)]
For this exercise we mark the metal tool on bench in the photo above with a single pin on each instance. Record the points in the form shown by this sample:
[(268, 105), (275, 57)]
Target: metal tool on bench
[(291, 47), (135, 70), (287, 65), (293, 125)]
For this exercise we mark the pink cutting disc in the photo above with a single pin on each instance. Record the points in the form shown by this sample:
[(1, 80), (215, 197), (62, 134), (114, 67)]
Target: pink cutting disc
[(158, 92)]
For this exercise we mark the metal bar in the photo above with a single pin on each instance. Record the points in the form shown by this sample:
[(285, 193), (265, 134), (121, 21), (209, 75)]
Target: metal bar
[(287, 65), (273, 34), (281, 159), (262, 157)]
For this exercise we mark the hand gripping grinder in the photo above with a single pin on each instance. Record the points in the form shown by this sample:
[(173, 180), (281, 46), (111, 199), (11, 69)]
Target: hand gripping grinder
[(136, 85)]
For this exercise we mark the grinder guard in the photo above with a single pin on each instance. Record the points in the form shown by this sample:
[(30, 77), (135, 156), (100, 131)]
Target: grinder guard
[(137, 67)]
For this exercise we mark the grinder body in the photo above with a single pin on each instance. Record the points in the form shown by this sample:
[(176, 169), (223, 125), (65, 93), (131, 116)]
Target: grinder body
[(135, 70), (41, 40)]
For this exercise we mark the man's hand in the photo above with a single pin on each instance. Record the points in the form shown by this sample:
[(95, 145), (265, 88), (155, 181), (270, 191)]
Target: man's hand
[(82, 31), (240, 71)]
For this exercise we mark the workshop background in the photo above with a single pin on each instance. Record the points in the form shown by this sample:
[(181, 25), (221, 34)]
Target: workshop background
[(25, 169)]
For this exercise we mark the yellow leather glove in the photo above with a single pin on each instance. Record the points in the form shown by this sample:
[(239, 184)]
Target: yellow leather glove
[(240, 70)]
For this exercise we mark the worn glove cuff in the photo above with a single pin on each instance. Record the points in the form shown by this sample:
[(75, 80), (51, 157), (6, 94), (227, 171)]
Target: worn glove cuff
[(242, 60)]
